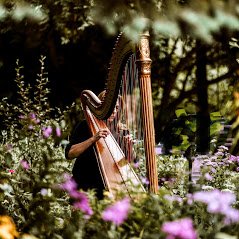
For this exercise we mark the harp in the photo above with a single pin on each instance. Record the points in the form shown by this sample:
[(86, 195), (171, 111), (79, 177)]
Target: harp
[(129, 61)]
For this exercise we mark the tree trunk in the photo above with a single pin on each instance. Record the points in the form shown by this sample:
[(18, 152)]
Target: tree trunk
[(203, 116)]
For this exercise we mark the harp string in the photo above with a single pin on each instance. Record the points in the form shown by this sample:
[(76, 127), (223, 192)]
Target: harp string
[(126, 124)]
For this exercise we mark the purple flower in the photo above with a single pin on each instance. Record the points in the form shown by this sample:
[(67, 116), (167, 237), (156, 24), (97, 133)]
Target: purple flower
[(144, 180), (173, 198), (47, 131), (80, 198), (208, 177), (180, 229), (219, 153), (44, 191), (213, 170), (58, 131), (32, 116), (25, 164), (222, 147), (83, 204), (232, 216), (69, 185), (158, 150), (118, 212), (219, 202), (233, 158), (136, 165), (22, 117), (189, 199)]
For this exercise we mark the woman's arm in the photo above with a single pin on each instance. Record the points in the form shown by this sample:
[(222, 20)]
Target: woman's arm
[(77, 149)]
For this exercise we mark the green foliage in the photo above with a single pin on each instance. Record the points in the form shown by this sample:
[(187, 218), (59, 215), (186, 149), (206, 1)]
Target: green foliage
[(182, 132), (202, 20)]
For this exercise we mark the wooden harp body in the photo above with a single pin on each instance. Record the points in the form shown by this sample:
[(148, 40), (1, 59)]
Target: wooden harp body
[(117, 173)]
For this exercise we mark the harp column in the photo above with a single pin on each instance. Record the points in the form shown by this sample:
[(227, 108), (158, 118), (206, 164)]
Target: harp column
[(144, 66)]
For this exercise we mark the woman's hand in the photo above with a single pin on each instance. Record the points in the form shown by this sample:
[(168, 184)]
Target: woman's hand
[(102, 133)]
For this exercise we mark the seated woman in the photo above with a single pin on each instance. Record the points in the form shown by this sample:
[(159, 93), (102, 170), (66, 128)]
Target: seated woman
[(86, 171)]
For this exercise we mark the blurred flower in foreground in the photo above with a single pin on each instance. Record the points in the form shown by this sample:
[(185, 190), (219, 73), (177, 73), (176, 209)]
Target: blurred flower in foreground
[(69, 184), (219, 202), (80, 198), (179, 229), (118, 212), (7, 228), (82, 203), (173, 198)]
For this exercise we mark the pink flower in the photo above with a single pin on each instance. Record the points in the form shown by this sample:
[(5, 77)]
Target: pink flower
[(58, 131), (232, 216), (179, 229), (47, 131), (25, 164), (118, 212), (11, 171), (83, 204), (32, 116), (80, 198), (69, 185)]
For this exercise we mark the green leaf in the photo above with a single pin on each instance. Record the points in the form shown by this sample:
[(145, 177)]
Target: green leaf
[(215, 128), (215, 116), (180, 112)]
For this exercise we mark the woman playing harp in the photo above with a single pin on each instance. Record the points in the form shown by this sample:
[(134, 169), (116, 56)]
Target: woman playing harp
[(86, 171), (114, 167)]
